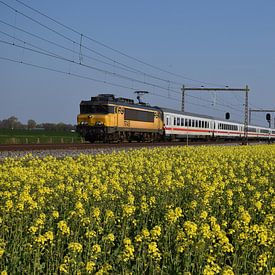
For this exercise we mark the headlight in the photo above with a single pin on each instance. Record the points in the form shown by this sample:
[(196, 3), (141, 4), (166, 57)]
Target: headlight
[(99, 123)]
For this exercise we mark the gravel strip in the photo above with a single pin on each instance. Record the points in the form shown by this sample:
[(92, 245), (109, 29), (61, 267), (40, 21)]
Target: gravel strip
[(60, 153)]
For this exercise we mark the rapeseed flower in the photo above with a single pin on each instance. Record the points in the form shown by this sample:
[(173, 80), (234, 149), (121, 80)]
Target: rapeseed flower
[(153, 211)]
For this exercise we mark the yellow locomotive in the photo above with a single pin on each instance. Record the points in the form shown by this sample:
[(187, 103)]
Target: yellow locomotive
[(109, 119)]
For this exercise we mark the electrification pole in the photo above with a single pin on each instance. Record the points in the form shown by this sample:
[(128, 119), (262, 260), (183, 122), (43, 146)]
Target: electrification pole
[(182, 98)]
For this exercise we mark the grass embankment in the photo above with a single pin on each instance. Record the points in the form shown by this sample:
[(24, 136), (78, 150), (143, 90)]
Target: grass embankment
[(37, 136)]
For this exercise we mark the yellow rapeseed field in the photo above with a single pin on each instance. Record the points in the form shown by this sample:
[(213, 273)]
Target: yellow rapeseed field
[(181, 210)]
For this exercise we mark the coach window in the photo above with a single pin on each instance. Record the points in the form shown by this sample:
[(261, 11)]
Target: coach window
[(202, 124), (178, 121), (181, 122), (186, 122), (167, 121), (175, 122)]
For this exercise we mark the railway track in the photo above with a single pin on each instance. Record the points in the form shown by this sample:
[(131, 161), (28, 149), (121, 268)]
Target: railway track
[(83, 146)]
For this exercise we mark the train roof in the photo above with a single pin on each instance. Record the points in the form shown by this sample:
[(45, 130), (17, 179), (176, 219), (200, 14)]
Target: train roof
[(167, 110), (111, 99)]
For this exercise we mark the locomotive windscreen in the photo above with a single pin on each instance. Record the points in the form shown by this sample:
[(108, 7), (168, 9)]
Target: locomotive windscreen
[(96, 109), (137, 115)]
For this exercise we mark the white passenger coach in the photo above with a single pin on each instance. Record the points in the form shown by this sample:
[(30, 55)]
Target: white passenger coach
[(179, 125)]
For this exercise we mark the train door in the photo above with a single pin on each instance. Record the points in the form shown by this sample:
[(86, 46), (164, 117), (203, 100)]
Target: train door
[(167, 121), (120, 116), (213, 127)]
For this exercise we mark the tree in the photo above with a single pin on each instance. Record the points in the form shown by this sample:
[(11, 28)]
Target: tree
[(31, 124), (11, 123)]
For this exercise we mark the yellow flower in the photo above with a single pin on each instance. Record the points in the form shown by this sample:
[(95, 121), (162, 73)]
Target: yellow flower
[(90, 266), (75, 247), (63, 268), (96, 249), (245, 217), (173, 215), (138, 238), (154, 251), (110, 237), (155, 232), (64, 228), (190, 229), (109, 214), (128, 251), (33, 229), (96, 213), (55, 214), (90, 234), (203, 215), (145, 233), (2, 251), (128, 210), (9, 205)]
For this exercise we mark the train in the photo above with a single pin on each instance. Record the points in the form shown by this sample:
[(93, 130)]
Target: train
[(106, 118)]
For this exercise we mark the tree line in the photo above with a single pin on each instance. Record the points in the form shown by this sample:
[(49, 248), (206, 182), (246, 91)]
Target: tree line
[(13, 123)]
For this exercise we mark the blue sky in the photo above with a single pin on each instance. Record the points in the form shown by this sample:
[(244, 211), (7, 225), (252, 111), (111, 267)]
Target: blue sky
[(220, 42)]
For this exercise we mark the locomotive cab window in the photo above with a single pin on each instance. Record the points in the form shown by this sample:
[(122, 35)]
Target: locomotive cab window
[(96, 109)]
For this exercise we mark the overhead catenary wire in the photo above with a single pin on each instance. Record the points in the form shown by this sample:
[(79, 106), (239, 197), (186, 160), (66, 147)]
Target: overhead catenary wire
[(50, 54), (53, 55), (115, 50), (114, 63), (76, 75), (106, 46), (90, 78), (82, 44)]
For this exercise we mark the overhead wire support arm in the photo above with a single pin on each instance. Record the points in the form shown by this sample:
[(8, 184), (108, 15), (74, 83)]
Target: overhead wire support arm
[(226, 89), (260, 111)]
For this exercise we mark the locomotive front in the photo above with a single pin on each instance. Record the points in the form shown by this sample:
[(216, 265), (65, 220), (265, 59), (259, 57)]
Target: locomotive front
[(96, 118)]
